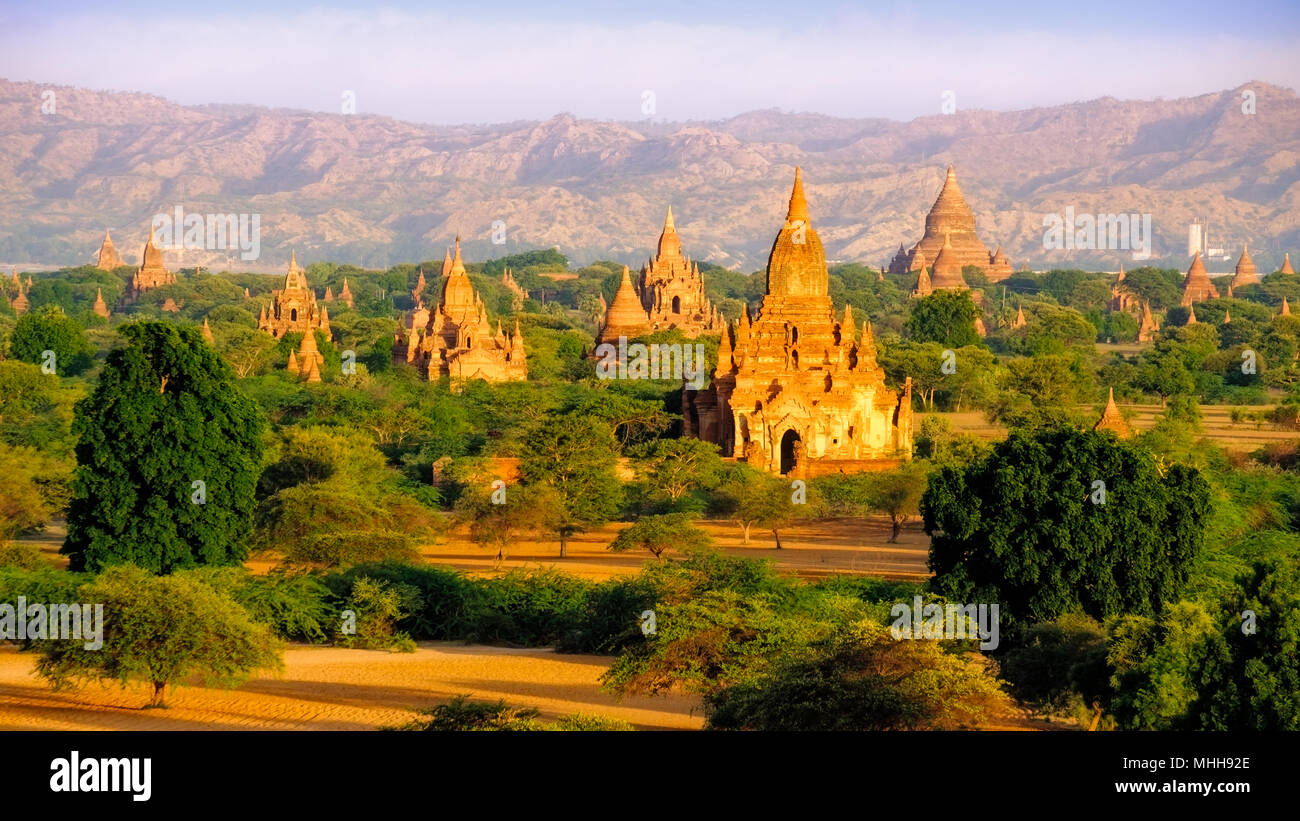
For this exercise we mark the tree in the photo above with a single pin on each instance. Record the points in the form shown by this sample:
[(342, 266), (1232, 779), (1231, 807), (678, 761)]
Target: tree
[(1058, 520), (497, 517), (1039, 391), (662, 533), (162, 630), (1251, 678), (750, 497), (168, 455), (946, 317), (674, 466), (895, 493), (51, 330), (574, 455), (331, 500), (33, 487)]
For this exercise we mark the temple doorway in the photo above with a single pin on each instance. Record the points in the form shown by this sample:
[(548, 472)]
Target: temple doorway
[(788, 441)]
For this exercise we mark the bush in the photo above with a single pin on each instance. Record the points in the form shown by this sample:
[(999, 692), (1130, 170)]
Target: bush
[(376, 607), (296, 607), (861, 679)]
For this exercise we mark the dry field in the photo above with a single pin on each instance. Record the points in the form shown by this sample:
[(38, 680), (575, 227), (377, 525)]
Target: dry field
[(330, 688), (1216, 425)]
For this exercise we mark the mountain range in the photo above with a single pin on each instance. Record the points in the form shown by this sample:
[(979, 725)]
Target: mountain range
[(375, 191)]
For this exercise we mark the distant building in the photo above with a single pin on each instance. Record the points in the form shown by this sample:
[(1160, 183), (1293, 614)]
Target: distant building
[(951, 222), (1197, 286), (151, 273), (456, 340), (293, 308), (109, 259)]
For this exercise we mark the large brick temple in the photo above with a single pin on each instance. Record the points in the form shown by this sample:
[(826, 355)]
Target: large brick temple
[(796, 392)]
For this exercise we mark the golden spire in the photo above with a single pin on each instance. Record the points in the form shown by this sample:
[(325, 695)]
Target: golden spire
[(798, 203)]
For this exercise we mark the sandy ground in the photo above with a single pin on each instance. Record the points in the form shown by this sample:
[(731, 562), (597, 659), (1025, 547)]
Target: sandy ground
[(329, 688), (812, 551)]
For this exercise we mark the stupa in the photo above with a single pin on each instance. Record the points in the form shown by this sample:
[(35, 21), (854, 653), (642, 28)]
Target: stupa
[(1111, 419), (795, 392), (951, 221), (1245, 273), (1197, 286), (626, 316), (100, 307), (1286, 264), (1149, 327), (109, 259)]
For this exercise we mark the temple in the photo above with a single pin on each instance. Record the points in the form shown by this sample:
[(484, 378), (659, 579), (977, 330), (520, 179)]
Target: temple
[(672, 290), (518, 294), (151, 273), (951, 222), (100, 307), (293, 308), (20, 303), (109, 259), (1286, 264), (456, 340), (1197, 286), (1149, 327), (1245, 273), (794, 391)]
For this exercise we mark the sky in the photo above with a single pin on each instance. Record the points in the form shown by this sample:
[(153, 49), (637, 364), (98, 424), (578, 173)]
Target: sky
[(490, 61)]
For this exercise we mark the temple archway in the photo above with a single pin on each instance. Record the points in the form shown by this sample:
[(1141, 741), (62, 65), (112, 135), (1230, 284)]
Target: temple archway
[(677, 305), (788, 440), (293, 315)]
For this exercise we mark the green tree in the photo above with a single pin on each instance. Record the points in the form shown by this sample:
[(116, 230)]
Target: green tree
[(51, 330), (498, 516), (895, 493), (162, 630), (574, 455), (946, 317), (659, 534), (1029, 527), (674, 466), (1251, 679), (165, 417)]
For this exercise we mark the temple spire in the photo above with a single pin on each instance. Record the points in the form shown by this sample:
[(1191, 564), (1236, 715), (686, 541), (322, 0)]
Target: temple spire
[(798, 203)]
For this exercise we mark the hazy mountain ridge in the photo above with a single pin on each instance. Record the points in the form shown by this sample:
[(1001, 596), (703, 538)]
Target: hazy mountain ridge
[(365, 187)]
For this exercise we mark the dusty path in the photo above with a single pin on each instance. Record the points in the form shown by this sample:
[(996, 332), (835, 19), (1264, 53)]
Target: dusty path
[(329, 688)]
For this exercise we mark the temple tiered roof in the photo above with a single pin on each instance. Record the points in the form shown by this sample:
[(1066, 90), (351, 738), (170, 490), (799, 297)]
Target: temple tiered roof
[(1197, 286), (1245, 273)]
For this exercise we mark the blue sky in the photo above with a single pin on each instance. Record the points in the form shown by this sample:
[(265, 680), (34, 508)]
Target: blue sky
[(505, 60)]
